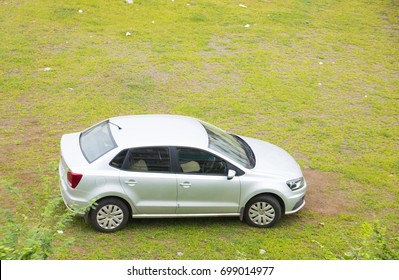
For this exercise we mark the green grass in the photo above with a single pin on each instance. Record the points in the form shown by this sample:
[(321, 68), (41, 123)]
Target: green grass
[(318, 78)]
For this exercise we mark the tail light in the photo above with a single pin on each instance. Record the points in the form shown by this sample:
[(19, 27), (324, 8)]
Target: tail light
[(73, 179)]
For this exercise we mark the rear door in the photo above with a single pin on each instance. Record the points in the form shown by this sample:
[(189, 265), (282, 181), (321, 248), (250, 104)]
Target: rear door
[(147, 179), (203, 187)]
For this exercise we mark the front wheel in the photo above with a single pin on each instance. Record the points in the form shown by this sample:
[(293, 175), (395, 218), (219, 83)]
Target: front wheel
[(109, 215), (262, 211)]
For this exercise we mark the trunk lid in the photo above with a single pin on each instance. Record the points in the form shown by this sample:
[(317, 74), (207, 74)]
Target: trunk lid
[(71, 152), (71, 156)]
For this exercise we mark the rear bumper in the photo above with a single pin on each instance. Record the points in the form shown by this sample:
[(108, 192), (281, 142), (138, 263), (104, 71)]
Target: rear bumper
[(73, 205), (82, 213)]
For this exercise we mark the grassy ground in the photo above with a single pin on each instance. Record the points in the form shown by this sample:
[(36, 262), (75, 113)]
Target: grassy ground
[(318, 78)]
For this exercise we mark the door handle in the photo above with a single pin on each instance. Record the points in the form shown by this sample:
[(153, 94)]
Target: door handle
[(131, 182), (185, 185)]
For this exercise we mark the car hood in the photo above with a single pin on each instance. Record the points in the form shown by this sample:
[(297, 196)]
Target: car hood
[(273, 160)]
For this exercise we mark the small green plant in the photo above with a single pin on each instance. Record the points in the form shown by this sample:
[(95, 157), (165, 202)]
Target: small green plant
[(326, 251), (375, 245), (32, 238), (27, 237)]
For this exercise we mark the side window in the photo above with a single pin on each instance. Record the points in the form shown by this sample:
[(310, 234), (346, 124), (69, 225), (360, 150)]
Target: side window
[(151, 159), (117, 162), (200, 162)]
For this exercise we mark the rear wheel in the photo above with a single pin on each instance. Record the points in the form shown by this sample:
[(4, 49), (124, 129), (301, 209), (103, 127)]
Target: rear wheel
[(110, 215), (262, 211)]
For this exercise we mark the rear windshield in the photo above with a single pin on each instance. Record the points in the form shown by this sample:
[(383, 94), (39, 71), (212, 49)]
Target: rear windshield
[(97, 141)]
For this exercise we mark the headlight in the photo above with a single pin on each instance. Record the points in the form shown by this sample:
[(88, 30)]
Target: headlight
[(296, 184)]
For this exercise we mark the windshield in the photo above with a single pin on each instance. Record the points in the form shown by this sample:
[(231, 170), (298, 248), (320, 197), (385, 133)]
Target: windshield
[(230, 145), (97, 141)]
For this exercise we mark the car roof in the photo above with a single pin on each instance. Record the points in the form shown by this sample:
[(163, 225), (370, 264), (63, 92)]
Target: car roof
[(158, 130)]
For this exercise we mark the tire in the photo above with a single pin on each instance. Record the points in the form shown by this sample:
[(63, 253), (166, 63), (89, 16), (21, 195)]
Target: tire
[(262, 211), (109, 215)]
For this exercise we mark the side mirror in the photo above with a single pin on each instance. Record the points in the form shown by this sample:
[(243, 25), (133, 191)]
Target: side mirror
[(231, 174)]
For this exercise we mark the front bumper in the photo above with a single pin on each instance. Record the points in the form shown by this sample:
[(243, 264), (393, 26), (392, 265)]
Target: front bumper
[(298, 206)]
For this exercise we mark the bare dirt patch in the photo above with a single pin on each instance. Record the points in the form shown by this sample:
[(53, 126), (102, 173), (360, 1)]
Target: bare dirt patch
[(324, 195)]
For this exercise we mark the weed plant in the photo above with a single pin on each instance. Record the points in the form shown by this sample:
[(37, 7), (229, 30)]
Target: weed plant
[(29, 236)]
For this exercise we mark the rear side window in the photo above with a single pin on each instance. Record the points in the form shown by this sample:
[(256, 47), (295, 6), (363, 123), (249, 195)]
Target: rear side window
[(117, 162), (96, 141), (152, 159)]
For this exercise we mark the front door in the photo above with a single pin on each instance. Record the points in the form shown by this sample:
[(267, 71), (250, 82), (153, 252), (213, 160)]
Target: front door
[(202, 184)]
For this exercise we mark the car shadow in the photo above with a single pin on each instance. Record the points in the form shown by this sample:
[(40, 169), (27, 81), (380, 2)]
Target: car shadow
[(189, 223), (184, 222)]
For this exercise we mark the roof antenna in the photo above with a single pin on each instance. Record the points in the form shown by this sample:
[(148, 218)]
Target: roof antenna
[(115, 125)]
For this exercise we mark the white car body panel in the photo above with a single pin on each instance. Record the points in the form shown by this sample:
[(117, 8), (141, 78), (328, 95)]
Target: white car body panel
[(151, 194), (223, 196)]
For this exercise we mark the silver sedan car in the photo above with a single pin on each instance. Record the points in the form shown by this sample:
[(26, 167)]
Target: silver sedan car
[(154, 166)]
